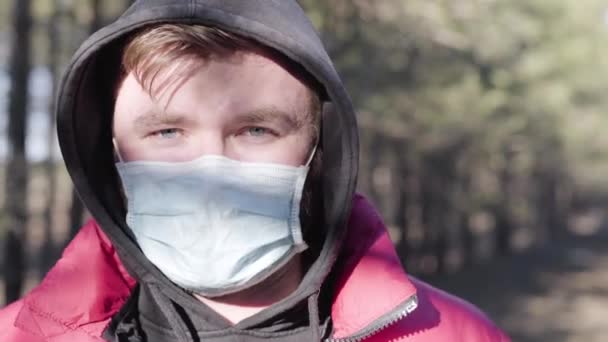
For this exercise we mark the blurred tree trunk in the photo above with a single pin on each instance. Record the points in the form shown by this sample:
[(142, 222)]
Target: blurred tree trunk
[(441, 188), (552, 199), (466, 234), (502, 212), (375, 152), (404, 196), (47, 255), (17, 168), (432, 209), (97, 20), (77, 208)]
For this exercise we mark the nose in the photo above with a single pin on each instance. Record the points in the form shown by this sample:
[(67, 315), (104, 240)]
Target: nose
[(211, 143)]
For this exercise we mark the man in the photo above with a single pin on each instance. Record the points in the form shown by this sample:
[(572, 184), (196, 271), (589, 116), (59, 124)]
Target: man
[(216, 149)]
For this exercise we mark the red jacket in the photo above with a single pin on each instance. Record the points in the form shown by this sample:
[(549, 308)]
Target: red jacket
[(375, 300)]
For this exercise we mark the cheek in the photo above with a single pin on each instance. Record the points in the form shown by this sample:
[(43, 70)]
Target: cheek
[(142, 150), (177, 155), (291, 150)]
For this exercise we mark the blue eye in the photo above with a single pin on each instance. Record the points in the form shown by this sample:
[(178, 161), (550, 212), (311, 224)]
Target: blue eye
[(257, 131), (169, 133)]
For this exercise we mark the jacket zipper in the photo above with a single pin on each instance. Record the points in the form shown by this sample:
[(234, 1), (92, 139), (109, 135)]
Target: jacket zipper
[(402, 311)]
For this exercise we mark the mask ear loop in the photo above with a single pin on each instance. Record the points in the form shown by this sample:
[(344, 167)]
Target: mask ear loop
[(122, 191), (326, 107), (117, 151), (312, 155)]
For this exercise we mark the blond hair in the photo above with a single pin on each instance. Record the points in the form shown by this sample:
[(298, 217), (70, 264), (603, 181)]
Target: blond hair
[(177, 50)]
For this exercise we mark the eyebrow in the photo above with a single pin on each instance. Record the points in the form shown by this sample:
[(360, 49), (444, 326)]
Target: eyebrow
[(152, 120), (270, 114)]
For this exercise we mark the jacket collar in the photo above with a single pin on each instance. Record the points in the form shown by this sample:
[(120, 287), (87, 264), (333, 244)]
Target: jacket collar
[(368, 266), (89, 285)]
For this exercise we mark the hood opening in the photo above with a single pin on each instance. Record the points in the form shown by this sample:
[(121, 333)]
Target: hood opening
[(85, 110)]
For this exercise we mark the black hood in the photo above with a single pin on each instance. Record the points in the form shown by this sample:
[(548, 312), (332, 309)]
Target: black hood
[(85, 108)]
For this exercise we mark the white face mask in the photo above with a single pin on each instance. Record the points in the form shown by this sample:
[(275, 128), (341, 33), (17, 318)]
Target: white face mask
[(213, 225)]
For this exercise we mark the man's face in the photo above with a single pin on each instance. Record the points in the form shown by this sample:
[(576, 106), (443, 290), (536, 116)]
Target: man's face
[(246, 108)]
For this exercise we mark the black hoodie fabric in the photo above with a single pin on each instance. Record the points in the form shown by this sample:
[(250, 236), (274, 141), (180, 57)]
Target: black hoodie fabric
[(158, 309)]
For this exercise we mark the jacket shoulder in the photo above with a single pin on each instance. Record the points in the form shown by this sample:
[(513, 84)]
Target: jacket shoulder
[(441, 316), (76, 299), (461, 317), (18, 325)]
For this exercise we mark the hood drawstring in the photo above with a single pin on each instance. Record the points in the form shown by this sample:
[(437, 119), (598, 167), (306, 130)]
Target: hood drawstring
[(313, 313), (167, 307)]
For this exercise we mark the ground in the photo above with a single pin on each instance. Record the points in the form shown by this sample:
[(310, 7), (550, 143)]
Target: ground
[(557, 293)]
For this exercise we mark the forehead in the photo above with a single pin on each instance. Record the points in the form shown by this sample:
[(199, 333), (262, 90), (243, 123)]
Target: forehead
[(240, 82)]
